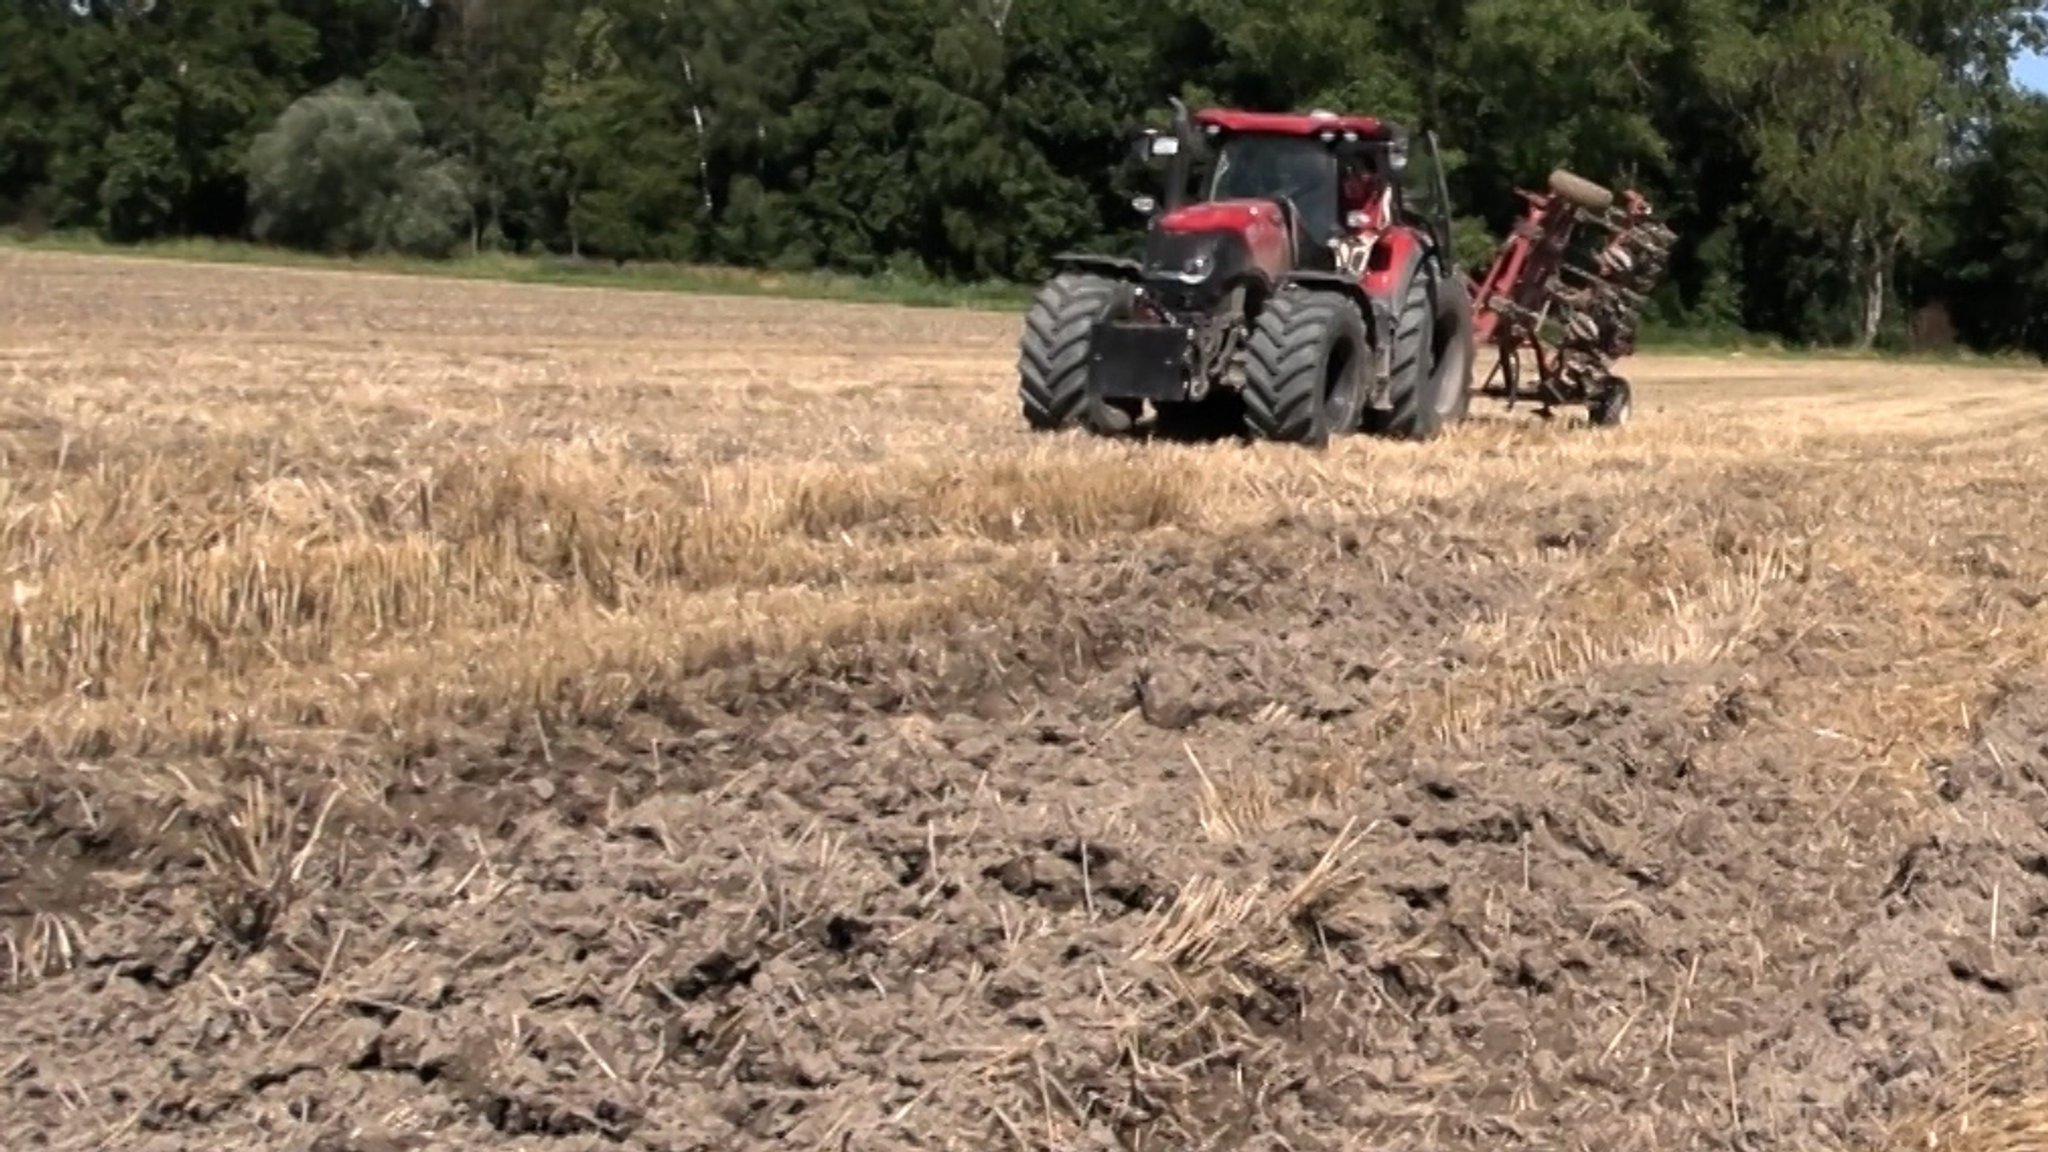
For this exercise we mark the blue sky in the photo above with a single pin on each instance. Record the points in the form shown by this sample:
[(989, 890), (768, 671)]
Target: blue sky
[(2031, 72)]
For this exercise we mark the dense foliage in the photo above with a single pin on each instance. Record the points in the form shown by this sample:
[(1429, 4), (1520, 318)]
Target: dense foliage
[(1840, 169)]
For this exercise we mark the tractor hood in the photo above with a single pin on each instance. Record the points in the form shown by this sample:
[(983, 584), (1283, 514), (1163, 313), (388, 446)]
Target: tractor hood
[(1239, 216), (1216, 244)]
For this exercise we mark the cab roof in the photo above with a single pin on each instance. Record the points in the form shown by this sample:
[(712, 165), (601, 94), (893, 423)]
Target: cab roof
[(1294, 123)]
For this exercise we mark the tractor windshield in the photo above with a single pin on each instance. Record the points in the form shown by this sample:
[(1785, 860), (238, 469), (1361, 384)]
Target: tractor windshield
[(1255, 167)]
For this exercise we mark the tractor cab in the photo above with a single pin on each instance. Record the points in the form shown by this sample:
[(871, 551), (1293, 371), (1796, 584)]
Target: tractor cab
[(1335, 178), (1298, 173)]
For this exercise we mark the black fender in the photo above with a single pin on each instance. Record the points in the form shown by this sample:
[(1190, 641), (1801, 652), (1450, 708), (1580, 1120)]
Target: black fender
[(1114, 267), (1379, 316)]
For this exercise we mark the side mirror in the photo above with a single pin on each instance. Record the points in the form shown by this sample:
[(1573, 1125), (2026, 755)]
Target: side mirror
[(1145, 205), (1154, 145)]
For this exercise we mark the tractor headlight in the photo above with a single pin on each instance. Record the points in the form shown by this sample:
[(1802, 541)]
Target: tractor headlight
[(1185, 260)]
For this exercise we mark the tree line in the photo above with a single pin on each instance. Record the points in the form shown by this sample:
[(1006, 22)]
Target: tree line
[(1839, 171)]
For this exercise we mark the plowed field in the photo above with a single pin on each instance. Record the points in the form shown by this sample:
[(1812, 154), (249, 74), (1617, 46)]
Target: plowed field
[(447, 715)]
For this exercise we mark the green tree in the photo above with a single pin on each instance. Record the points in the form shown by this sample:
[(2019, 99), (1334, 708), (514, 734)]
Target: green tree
[(1844, 116), (488, 59), (1823, 161), (343, 170), (1995, 270), (1565, 82), (614, 154)]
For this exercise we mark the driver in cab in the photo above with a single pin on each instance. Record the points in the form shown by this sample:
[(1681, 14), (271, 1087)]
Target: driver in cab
[(1365, 199), (1365, 204)]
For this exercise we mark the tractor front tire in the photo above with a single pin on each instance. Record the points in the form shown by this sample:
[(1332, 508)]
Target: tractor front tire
[(1052, 360), (1305, 368)]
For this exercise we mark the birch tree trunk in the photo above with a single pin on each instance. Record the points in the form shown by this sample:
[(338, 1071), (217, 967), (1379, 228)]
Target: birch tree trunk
[(1873, 301), (1877, 255)]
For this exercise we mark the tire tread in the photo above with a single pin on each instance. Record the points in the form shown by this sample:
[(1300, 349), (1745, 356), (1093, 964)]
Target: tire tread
[(1052, 360), (1413, 411), (1283, 380)]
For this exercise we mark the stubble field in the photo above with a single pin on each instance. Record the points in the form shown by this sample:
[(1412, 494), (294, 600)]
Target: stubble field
[(448, 715)]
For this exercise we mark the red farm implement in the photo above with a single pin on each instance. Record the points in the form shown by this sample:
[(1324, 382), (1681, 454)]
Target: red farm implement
[(1572, 313)]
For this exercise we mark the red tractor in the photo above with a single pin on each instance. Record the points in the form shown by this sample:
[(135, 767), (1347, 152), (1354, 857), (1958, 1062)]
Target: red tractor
[(1297, 296), (1300, 294)]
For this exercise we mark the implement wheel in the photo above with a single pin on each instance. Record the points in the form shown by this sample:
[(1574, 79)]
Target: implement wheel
[(1613, 406)]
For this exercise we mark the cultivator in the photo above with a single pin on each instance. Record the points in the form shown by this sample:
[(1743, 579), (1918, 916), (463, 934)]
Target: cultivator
[(1574, 318)]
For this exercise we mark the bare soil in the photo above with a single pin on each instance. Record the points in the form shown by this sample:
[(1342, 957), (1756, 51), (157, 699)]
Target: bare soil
[(862, 772)]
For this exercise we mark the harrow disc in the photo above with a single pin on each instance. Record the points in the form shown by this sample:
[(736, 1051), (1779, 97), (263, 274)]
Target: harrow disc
[(1600, 313)]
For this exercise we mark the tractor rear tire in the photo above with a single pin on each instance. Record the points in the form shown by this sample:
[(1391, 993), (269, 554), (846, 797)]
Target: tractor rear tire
[(1052, 361), (1456, 349), (1431, 370), (1305, 368), (1580, 191)]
